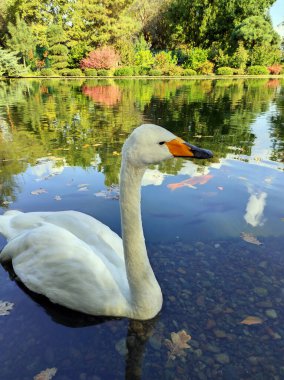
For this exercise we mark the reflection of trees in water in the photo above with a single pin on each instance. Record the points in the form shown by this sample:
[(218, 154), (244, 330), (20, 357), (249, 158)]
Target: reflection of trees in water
[(78, 119), (277, 126)]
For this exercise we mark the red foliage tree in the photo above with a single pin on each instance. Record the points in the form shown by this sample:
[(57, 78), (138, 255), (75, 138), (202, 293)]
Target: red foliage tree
[(102, 58), (275, 69)]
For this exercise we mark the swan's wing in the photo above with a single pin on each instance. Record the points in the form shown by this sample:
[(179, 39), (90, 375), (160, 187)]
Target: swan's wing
[(83, 226), (52, 261)]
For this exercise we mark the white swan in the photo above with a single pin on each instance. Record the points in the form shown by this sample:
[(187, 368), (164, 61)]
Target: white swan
[(78, 262)]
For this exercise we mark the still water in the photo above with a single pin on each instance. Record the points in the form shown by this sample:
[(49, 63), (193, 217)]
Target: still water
[(214, 229)]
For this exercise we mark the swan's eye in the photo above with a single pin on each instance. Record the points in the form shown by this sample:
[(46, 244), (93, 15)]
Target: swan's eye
[(162, 143)]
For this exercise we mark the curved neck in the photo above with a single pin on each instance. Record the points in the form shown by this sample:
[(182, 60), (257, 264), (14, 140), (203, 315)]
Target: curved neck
[(144, 288)]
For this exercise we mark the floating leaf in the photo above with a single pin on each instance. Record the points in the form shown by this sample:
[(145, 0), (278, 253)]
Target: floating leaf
[(177, 344), (249, 238), (57, 198), (38, 191), (5, 307), (251, 320), (221, 188), (47, 374)]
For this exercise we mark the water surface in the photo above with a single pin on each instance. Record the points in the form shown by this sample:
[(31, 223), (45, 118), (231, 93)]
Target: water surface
[(60, 144)]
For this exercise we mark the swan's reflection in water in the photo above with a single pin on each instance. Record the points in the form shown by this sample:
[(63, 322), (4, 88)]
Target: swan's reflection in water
[(138, 332)]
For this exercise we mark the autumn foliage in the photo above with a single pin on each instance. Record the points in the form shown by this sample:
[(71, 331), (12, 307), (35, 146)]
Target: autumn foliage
[(275, 69), (102, 58)]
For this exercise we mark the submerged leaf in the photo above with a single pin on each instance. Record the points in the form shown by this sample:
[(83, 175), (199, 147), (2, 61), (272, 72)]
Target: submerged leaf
[(5, 307), (47, 374), (249, 238), (251, 320), (177, 344)]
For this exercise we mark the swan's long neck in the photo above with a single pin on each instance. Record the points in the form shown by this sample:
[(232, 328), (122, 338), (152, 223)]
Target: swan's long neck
[(146, 296)]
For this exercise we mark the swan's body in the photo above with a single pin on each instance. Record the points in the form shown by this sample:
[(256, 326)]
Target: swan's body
[(78, 262)]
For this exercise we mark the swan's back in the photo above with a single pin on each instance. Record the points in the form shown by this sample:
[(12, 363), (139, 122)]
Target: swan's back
[(65, 253)]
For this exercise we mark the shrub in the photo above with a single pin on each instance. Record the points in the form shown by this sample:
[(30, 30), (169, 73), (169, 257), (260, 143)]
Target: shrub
[(196, 58), (240, 57), (239, 71), (103, 73), (257, 70), (123, 71), (155, 73), (164, 59), (174, 70), (188, 72), (47, 72), (71, 73), (91, 72), (224, 71), (275, 69), (144, 58), (103, 58), (206, 68)]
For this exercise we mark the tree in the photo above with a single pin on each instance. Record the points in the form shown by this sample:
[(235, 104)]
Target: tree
[(255, 31), (103, 58), (21, 40), (9, 65), (58, 51)]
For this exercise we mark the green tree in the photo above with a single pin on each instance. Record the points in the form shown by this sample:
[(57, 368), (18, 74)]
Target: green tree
[(255, 31), (58, 51), (21, 40), (9, 65)]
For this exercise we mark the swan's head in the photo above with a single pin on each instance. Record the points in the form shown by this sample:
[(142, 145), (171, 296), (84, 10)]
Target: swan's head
[(151, 144)]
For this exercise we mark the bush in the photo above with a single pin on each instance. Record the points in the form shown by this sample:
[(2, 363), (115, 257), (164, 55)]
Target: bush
[(103, 73), (239, 71), (155, 73), (173, 70), (196, 58), (257, 70), (123, 71), (206, 68), (91, 72), (71, 73), (47, 72), (224, 71), (144, 58), (103, 58), (275, 69), (164, 60), (188, 72)]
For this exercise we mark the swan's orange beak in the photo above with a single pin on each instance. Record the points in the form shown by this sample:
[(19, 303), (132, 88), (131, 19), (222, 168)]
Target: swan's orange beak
[(180, 148)]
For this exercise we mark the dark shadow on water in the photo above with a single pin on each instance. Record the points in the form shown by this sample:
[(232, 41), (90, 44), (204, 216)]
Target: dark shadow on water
[(138, 332)]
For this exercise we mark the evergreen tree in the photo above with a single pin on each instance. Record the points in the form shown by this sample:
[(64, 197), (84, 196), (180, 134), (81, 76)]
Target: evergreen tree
[(58, 51), (9, 65), (21, 40)]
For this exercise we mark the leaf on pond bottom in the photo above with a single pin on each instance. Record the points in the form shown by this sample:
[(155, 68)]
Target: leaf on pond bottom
[(47, 374), (177, 344), (5, 307), (251, 320), (249, 238)]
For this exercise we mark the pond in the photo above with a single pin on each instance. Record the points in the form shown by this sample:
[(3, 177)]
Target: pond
[(214, 229)]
